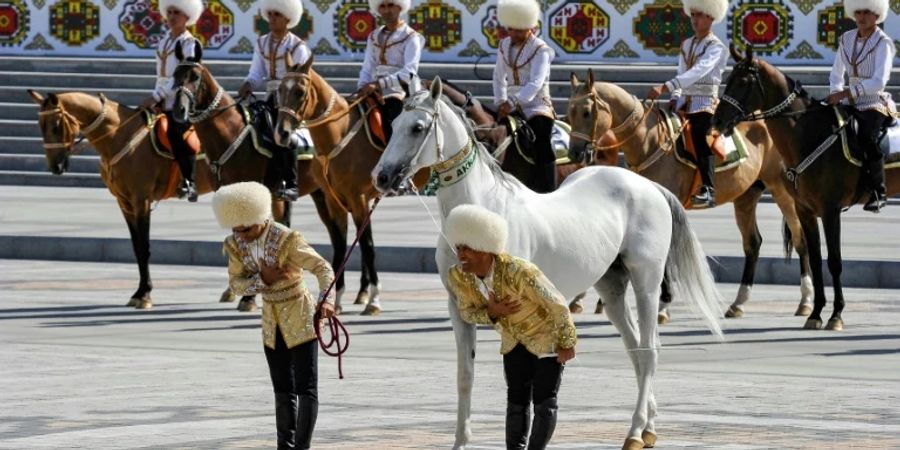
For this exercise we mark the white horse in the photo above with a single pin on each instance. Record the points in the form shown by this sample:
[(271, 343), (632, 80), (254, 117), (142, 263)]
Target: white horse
[(603, 227)]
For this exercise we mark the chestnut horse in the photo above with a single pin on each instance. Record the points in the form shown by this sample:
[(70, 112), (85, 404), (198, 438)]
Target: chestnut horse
[(132, 171), (825, 181), (597, 107)]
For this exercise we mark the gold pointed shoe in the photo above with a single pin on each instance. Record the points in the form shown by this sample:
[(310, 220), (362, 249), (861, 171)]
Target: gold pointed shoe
[(649, 438)]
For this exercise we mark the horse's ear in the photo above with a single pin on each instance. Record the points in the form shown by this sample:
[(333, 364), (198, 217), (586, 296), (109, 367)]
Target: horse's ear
[(749, 53), (415, 85), (36, 96), (437, 88), (573, 79), (198, 52), (52, 99), (590, 79), (307, 65), (179, 52), (734, 53)]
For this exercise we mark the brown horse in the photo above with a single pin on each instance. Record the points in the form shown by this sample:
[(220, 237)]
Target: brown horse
[(825, 181), (132, 171), (596, 107), (345, 157)]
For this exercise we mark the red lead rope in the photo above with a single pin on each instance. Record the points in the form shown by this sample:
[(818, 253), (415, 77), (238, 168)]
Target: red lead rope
[(333, 323)]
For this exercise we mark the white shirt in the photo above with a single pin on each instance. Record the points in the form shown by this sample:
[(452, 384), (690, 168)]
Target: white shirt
[(166, 62), (867, 63), (522, 77), (271, 60), (391, 58), (700, 69)]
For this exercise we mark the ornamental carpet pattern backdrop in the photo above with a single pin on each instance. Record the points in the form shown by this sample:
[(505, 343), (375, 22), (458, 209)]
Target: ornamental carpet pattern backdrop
[(644, 31)]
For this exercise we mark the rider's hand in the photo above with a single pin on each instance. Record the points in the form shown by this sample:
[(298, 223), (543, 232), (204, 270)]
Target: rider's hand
[(656, 91), (271, 274), (373, 90), (836, 97), (245, 90), (502, 308), (565, 354), (504, 110), (149, 103), (326, 310)]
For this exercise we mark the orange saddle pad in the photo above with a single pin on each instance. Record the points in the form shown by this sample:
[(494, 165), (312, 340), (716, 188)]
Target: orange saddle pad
[(717, 146), (375, 120), (190, 136)]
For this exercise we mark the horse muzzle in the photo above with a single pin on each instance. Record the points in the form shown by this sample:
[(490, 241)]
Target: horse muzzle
[(59, 166), (388, 180)]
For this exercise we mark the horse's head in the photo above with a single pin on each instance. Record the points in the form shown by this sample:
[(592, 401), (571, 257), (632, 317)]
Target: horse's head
[(744, 92), (59, 130), (294, 101), (423, 125), (192, 84), (590, 117)]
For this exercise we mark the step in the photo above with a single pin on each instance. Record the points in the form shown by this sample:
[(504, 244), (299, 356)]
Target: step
[(18, 111), (25, 128), (38, 163), (17, 178), (23, 145)]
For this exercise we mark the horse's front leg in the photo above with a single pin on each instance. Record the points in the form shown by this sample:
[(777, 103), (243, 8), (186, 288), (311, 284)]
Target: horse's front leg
[(813, 243), (335, 220), (831, 223), (745, 216), (793, 236), (465, 374), (141, 243), (370, 286)]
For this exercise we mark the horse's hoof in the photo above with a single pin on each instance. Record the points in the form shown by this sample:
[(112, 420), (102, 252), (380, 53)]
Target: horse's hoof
[(575, 307), (734, 312), (649, 438), (362, 298), (338, 310), (662, 318), (633, 444), (144, 303), (133, 302), (813, 324), (599, 308), (227, 297), (246, 306), (371, 310), (835, 325), (803, 310)]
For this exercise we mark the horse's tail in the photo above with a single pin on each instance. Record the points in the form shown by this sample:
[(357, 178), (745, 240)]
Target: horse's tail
[(687, 269), (788, 239)]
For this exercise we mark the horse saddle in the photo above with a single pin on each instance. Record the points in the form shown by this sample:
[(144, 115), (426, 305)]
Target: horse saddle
[(261, 117), (524, 139), (730, 151), (374, 122), (160, 137), (888, 137)]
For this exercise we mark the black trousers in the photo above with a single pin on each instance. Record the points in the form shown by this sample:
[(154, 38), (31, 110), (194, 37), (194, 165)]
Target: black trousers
[(183, 155), (870, 123), (541, 177), (701, 122), (294, 370), (529, 378), (391, 108)]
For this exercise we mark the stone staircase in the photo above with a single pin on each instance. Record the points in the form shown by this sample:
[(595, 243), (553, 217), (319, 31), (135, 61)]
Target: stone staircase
[(129, 81)]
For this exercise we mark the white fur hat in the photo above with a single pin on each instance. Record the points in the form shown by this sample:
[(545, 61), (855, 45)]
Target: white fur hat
[(403, 4), (191, 8), (713, 8), (476, 228), (292, 9), (242, 204), (518, 14), (879, 7)]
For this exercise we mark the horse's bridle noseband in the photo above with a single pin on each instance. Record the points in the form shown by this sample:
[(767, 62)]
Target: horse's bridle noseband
[(69, 122), (209, 111), (775, 111)]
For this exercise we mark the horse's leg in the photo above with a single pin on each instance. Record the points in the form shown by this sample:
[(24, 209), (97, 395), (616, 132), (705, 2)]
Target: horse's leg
[(665, 299), (745, 215), (793, 235), (367, 247), (612, 288), (813, 244), (335, 220), (465, 374), (142, 252), (575, 306), (135, 246), (831, 223)]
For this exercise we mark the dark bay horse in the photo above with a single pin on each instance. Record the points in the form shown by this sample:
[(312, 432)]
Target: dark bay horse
[(132, 171), (824, 180), (597, 107)]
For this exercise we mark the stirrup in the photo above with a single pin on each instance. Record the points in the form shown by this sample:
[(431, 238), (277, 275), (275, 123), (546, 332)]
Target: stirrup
[(875, 203), (289, 194)]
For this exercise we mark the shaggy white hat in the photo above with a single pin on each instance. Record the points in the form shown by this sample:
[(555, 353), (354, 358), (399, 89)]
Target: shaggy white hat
[(476, 228), (191, 8), (292, 9), (712, 8), (879, 7), (242, 204), (403, 4), (518, 14)]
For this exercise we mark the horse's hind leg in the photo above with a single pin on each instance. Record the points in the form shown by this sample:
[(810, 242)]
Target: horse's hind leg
[(335, 220), (612, 289), (745, 215), (813, 242), (139, 227), (831, 224), (465, 374)]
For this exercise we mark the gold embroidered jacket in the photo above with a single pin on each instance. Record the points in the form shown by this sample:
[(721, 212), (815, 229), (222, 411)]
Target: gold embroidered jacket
[(542, 324), (287, 304)]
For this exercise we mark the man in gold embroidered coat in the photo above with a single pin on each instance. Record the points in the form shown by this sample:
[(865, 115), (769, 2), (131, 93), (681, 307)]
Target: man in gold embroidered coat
[(536, 329), (265, 257)]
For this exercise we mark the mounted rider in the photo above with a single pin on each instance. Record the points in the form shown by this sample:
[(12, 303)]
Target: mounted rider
[(866, 55), (695, 89), (178, 14), (522, 84), (273, 56), (392, 57)]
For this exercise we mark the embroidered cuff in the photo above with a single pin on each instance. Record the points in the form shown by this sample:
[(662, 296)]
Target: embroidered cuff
[(673, 85)]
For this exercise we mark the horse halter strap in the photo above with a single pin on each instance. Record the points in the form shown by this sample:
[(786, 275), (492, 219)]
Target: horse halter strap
[(195, 117), (298, 113), (69, 121), (597, 105), (435, 115), (774, 111)]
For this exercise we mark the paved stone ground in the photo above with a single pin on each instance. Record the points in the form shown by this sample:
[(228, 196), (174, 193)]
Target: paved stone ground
[(82, 371)]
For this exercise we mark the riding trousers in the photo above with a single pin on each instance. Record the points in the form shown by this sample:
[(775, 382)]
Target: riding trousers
[(701, 122), (541, 176), (183, 155), (870, 123), (391, 108)]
